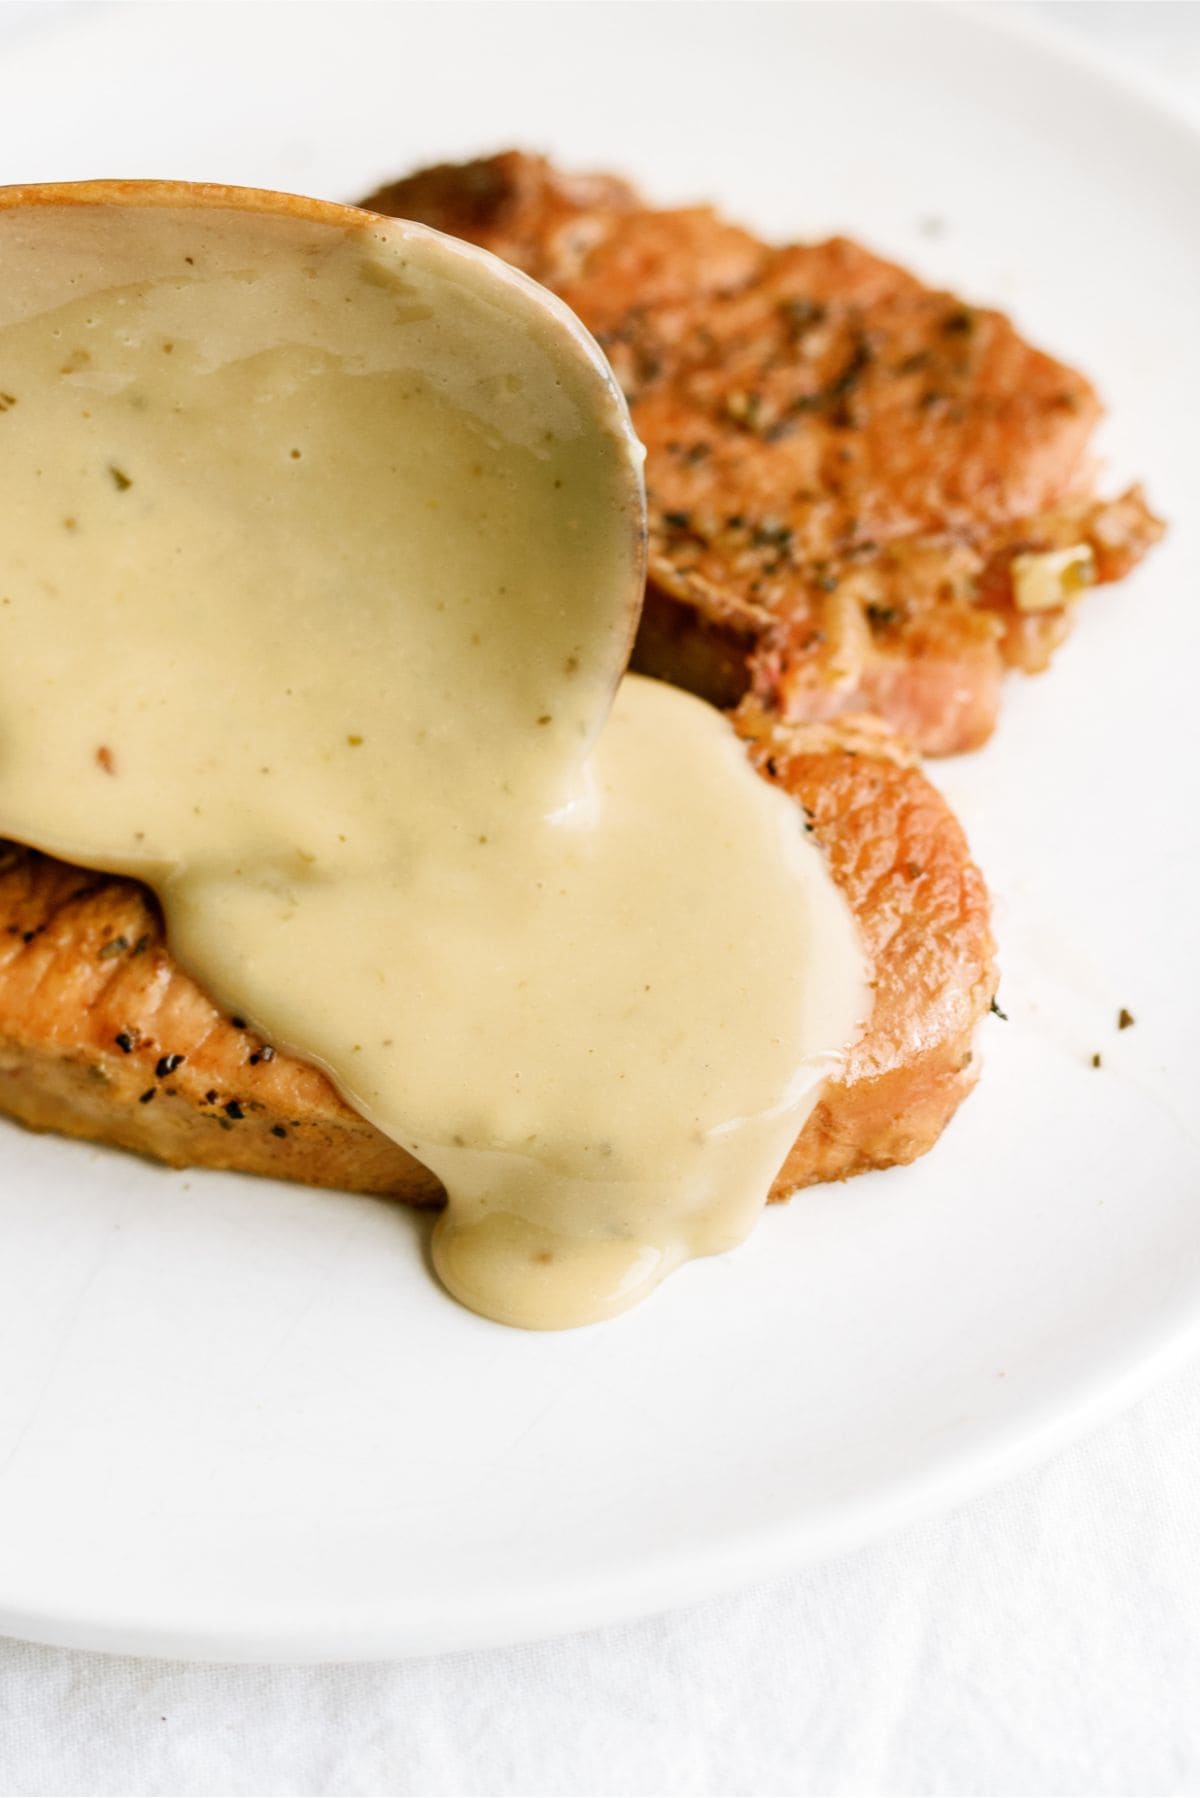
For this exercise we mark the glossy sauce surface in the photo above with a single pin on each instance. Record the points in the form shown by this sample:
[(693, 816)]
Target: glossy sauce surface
[(322, 556)]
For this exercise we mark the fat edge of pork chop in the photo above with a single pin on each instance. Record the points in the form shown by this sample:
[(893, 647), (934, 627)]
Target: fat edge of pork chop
[(103, 1036), (864, 495)]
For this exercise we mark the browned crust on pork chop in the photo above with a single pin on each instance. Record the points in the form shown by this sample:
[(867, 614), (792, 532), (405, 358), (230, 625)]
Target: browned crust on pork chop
[(842, 463), (103, 1036), (901, 859)]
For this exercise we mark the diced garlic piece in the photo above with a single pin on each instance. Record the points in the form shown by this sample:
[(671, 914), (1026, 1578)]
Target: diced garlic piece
[(1050, 578)]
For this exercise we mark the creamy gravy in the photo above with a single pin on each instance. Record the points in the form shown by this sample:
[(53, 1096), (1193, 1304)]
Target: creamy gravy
[(322, 555)]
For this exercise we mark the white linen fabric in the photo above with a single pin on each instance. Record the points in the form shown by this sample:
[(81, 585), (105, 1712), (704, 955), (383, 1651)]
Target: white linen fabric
[(1044, 1639)]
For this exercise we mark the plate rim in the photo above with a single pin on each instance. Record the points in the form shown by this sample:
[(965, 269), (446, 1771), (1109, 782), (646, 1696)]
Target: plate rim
[(644, 1588)]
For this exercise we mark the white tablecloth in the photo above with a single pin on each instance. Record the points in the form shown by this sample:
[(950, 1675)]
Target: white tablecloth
[(1044, 1639)]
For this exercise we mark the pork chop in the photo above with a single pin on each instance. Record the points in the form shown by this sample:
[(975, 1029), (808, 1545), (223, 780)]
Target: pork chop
[(864, 495), (103, 1036)]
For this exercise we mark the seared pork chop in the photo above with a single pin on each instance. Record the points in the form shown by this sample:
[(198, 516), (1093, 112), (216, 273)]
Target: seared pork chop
[(864, 495), (103, 1036)]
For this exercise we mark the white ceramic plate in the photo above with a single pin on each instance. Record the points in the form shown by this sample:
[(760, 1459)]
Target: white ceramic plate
[(240, 1420)]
